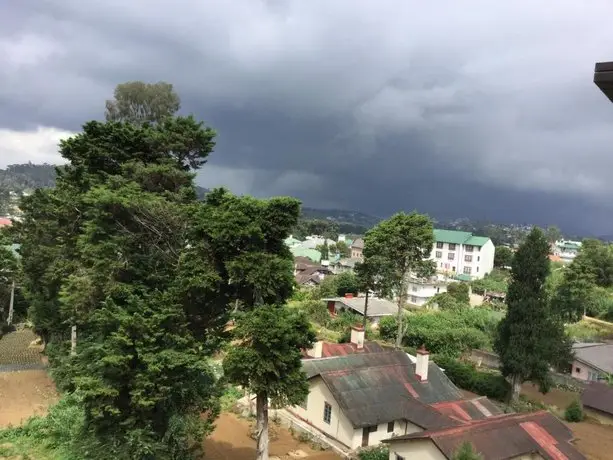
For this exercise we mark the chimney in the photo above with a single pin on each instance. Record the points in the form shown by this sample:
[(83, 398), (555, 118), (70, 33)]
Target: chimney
[(348, 296), (421, 366), (357, 336), (317, 350)]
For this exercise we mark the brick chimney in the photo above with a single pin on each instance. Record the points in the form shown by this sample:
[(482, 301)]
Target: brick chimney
[(348, 296), (421, 366), (357, 336), (317, 350)]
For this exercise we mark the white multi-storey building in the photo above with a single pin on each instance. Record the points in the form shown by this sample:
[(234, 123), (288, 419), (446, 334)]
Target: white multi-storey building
[(462, 254)]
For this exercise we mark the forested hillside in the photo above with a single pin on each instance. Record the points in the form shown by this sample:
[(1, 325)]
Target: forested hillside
[(17, 178)]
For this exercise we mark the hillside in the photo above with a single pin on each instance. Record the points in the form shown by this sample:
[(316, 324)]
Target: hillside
[(28, 176)]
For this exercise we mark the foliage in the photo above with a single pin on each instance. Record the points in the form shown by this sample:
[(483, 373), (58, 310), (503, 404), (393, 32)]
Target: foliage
[(305, 227), (445, 301), (466, 376), (460, 292), (316, 311), (327, 288), (574, 412), (342, 249), (344, 320), (22, 177), (445, 332), (346, 283), (138, 102), (267, 357), (230, 397), (402, 244), (379, 452), (496, 281), (503, 257), (466, 451), (531, 338), (553, 234), (590, 331)]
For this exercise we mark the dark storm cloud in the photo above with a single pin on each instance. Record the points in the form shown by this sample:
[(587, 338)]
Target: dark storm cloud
[(472, 108)]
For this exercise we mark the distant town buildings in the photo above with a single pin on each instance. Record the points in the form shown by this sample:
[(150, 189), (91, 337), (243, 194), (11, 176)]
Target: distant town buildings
[(566, 250)]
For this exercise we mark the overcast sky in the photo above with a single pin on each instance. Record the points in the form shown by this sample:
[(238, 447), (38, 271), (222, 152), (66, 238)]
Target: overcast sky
[(455, 108)]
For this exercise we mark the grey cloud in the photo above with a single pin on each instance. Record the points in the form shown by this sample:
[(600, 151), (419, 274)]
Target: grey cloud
[(455, 108)]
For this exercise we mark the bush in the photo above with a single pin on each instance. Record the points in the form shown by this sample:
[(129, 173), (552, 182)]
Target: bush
[(467, 377), (230, 397), (574, 412), (459, 291), (496, 281), (379, 452), (388, 328), (316, 311)]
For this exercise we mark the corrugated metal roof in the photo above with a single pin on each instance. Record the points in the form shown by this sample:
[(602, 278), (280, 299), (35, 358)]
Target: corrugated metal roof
[(342, 349), (599, 356), (506, 436), (598, 396), (469, 409), (377, 388), (376, 307)]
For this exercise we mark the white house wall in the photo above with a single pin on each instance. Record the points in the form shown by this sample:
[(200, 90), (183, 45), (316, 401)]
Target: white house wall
[(481, 264), (423, 449), (339, 428)]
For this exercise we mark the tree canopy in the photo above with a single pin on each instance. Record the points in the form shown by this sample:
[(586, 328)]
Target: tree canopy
[(138, 102), (531, 337), (503, 257)]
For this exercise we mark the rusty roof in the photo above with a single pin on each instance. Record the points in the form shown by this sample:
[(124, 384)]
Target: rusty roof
[(598, 396), (342, 349), (375, 388), (468, 410), (506, 436)]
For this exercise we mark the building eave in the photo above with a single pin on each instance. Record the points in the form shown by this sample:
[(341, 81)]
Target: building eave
[(603, 78)]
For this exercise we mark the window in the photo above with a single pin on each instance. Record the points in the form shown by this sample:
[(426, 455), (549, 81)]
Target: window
[(477, 269), (453, 269), (372, 429), (439, 254), (413, 299), (327, 413), (305, 403), (577, 370), (469, 248), (439, 245), (438, 290), (594, 376), (451, 256), (414, 288), (398, 457), (478, 258), (468, 258), (390, 427), (467, 270), (451, 247)]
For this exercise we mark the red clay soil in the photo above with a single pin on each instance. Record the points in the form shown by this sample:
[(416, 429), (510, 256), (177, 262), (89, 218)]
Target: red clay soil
[(594, 440), (24, 394), (231, 441)]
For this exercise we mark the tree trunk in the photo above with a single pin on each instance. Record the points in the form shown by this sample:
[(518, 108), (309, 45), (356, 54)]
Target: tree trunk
[(262, 426), (400, 330), (73, 340), (365, 312), (11, 305), (515, 388)]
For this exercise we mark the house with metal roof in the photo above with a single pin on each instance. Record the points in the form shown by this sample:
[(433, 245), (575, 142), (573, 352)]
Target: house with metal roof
[(377, 308), (597, 400), (592, 361), (463, 254), (537, 435), (362, 394)]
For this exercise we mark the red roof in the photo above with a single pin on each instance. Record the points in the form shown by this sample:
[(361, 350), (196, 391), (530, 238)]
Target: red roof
[(5, 222), (342, 349), (506, 436), (468, 410)]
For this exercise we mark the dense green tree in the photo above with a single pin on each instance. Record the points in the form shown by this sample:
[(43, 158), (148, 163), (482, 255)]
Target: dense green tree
[(553, 234), (370, 276), (138, 102), (503, 257), (267, 361), (466, 451), (445, 301), (342, 249), (324, 249), (9, 276), (531, 337), (460, 292), (105, 252), (402, 242), (346, 283)]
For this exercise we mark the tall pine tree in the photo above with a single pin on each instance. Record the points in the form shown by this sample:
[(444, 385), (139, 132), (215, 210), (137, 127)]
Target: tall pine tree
[(531, 338)]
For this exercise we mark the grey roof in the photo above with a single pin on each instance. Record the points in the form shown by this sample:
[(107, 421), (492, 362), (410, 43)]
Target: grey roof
[(598, 396), (376, 307), (358, 244), (347, 262), (376, 388), (506, 436), (599, 356)]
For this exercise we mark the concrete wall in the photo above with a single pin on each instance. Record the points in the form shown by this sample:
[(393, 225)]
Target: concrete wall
[(420, 293), (401, 427), (582, 371), (422, 449), (481, 259), (487, 259), (339, 427)]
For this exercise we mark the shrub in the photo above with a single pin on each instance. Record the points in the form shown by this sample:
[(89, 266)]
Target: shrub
[(574, 412), (316, 311), (230, 397), (379, 452), (467, 377), (388, 328), (467, 452), (459, 291)]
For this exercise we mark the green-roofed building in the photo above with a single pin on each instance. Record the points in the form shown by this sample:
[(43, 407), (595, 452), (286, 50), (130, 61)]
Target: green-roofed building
[(463, 254), (312, 254), (290, 242)]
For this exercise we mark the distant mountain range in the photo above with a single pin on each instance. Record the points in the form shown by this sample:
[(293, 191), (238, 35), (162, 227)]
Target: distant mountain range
[(341, 216)]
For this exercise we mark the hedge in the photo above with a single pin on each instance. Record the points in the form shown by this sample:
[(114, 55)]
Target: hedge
[(467, 377)]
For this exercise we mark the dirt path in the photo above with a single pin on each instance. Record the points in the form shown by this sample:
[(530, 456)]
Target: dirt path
[(231, 441), (594, 440), (23, 394)]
